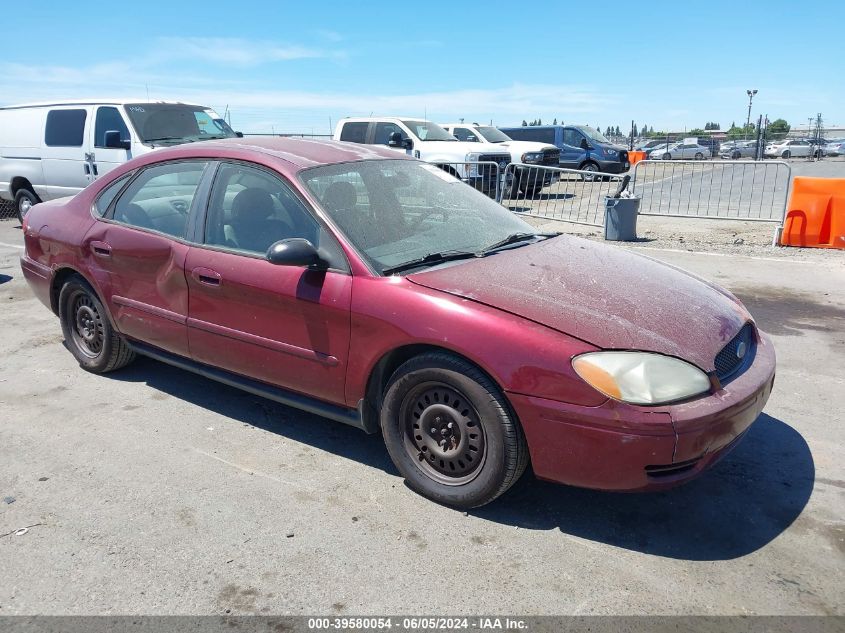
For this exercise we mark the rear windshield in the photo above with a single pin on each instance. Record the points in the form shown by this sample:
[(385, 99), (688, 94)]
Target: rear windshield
[(171, 123)]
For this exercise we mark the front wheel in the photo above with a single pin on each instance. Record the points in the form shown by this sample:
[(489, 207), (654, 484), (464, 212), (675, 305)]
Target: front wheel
[(699, 156), (450, 431), (786, 154), (667, 156), (24, 201), (589, 167), (89, 335)]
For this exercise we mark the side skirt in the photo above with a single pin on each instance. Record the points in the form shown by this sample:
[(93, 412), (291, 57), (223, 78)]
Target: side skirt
[(352, 417)]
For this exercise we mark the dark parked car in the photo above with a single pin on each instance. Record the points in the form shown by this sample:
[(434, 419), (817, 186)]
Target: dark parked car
[(581, 147), (380, 291)]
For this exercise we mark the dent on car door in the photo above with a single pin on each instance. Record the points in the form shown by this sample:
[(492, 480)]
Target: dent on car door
[(284, 325), (137, 253)]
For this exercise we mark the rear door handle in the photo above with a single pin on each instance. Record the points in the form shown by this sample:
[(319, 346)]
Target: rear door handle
[(207, 277), (101, 249)]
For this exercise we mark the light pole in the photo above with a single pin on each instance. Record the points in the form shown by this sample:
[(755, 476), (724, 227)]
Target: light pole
[(750, 94)]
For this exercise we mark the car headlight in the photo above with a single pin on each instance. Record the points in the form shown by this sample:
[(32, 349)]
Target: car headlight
[(641, 377), (532, 157), (471, 170)]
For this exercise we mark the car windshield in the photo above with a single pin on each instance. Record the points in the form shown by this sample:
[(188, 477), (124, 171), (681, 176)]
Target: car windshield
[(492, 134), (593, 134), (426, 131), (171, 123), (397, 211)]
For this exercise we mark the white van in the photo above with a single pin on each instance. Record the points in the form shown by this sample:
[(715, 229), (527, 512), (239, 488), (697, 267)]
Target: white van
[(51, 150)]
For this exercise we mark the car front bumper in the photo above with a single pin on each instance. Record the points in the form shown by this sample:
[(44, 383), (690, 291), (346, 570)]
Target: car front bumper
[(616, 446)]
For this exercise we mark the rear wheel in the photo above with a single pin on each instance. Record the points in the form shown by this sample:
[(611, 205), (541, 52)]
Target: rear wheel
[(450, 431), (25, 199), (736, 155), (89, 335), (699, 156)]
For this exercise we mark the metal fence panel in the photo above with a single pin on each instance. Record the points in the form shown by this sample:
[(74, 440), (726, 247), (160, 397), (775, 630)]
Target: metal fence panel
[(557, 193), (726, 189)]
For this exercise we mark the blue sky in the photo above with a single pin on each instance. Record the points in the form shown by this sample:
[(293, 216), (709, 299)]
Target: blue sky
[(294, 67)]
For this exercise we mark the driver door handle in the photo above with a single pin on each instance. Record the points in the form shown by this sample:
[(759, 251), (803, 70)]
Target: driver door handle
[(207, 276)]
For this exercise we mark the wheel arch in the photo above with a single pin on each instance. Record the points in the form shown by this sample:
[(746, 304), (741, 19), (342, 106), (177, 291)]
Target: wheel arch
[(60, 277), (391, 360), (19, 182)]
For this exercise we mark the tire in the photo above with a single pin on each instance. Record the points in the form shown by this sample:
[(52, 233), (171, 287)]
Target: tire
[(24, 200), (736, 156), (88, 332), (667, 156), (699, 156), (785, 154), (589, 166), (439, 406)]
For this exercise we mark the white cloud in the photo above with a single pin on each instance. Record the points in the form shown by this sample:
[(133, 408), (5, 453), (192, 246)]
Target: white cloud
[(238, 52)]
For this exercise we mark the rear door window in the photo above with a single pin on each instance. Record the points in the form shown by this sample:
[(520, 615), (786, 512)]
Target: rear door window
[(161, 197), (108, 194), (65, 128), (527, 133), (354, 132)]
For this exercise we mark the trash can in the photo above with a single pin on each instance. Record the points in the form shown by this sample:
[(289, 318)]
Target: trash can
[(620, 219)]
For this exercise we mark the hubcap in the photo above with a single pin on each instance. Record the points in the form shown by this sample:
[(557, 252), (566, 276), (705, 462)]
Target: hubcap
[(25, 205), (87, 326), (443, 433)]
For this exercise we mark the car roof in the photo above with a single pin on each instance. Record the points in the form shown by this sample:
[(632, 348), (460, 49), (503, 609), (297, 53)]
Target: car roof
[(66, 102), (301, 153)]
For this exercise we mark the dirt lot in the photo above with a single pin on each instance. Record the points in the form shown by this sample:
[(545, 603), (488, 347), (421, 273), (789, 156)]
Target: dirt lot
[(152, 490)]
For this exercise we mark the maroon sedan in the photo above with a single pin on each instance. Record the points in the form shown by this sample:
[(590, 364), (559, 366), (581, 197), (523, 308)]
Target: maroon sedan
[(380, 291)]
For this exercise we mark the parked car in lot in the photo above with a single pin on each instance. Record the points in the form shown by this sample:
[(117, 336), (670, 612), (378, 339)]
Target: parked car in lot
[(430, 142), (648, 146), (581, 147), (835, 148), (788, 148), (738, 149), (50, 150), (681, 151), (529, 181), (380, 291)]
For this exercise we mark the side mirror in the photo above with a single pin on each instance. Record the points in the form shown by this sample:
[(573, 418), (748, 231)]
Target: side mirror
[(395, 139), (295, 251), (584, 144), (239, 134), (112, 140)]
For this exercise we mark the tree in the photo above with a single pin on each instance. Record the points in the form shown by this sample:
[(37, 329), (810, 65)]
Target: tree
[(697, 132), (524, 123), (778, 129), (555, 121), (618, 132), (635, 132), (607, 131)]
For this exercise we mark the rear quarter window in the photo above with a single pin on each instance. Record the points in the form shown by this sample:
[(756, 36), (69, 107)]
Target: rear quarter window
[(65, 128)]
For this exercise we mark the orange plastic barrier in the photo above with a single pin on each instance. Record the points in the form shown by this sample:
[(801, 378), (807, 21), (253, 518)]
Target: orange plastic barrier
[(634, 157), (815, 215)]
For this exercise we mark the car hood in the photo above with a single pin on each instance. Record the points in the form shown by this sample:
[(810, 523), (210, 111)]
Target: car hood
[(466, 147), (601, 294)]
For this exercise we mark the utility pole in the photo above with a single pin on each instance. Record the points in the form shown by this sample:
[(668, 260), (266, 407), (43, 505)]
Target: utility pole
[(750, 94)]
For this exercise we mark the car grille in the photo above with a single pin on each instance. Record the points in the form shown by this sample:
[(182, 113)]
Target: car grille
[(737, 354), (551, 158), (488, 171)]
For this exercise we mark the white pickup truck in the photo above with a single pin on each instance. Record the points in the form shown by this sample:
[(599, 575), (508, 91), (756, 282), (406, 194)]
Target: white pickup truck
[(529, 181), (431, 143)]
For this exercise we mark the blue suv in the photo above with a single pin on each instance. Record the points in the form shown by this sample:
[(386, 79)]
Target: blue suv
[(581, 147)]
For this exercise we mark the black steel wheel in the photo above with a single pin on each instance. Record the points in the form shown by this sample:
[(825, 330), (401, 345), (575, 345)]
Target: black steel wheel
[(699, 156), (443, 433), (450, 431), (88, 332)]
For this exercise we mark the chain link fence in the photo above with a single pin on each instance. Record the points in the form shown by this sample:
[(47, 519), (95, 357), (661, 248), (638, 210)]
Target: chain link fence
[(7, 210)]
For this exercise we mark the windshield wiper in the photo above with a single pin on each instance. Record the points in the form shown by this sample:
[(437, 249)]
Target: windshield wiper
[(514, 238), (169, 138), (431, 258)]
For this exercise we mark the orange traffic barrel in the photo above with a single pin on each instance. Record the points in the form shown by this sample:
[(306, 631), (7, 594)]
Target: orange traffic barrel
[(635, 156), (815, 215)]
